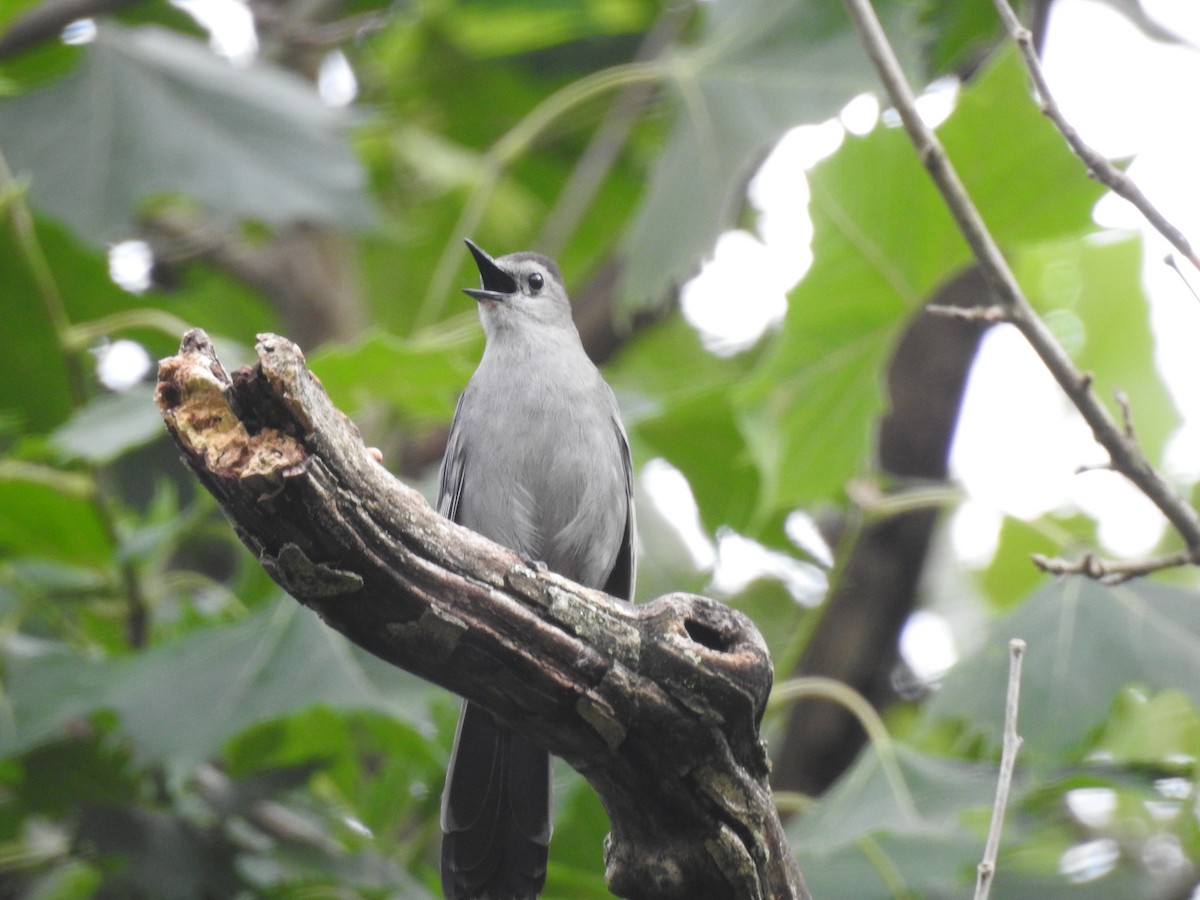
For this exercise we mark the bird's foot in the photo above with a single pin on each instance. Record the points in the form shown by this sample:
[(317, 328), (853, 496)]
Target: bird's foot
[(536, 564)]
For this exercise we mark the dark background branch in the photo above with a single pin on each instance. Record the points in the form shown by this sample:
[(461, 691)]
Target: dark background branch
[(45, 22), (857, 639)]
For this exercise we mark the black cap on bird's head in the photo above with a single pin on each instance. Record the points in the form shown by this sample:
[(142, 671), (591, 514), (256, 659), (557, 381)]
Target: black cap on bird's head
[(497, 284)]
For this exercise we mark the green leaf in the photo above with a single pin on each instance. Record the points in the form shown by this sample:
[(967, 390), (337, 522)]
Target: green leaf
[(576, 867), (183, 699), (33, 65), (1096, 286), (39, 520), (497, 29), (1011, 575), (887, 867), (27, 340), (759, 68), (110, 425), (883, 243), (420, 378), (870, 835), (930, 799), (1152, 730), (150, 111), (960, 33), (57, 777), (28, 343), (167, 854), (1086, 641), (677, 403), (380, 767)]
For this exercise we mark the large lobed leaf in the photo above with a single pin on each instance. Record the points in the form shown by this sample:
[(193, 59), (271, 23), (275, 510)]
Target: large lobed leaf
[(758, 69), (1086, 641), (883, 243), (420, 377), (149, 111), (921, 823), (181, 700), (913, 816)]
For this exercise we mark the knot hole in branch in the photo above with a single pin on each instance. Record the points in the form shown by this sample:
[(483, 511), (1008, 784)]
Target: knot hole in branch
[(707, 636)]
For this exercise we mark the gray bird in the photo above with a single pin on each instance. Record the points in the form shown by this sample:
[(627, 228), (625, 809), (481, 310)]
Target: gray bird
[(537, 460)]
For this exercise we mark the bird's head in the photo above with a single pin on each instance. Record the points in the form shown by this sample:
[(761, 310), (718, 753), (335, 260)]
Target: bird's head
[(519, 290)]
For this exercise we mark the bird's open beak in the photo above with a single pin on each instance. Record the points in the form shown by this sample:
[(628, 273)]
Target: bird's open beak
[(497, 284)]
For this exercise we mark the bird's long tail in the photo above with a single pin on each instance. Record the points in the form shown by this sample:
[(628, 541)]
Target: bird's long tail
[(495, 813)]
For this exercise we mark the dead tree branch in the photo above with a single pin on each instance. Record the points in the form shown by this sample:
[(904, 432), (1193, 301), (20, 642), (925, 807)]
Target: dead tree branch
[(986, 872), (657, 705)]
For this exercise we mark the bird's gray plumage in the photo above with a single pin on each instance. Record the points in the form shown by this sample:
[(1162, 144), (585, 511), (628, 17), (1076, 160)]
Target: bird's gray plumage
[(537, 460)]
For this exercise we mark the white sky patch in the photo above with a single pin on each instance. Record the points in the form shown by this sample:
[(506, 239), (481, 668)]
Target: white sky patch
[(670, 492), (230, 26), (1019, 442), (1089, 861), (739, 293), (1182, 454), (335, 80), (81, 31), (975, 532), (937, 101), (861, 114), (1128, 523), (358, 826), (121, 364), (779, 191), (130, 264), (741, 560), (1092, 806), (927, 645), (803, 532)]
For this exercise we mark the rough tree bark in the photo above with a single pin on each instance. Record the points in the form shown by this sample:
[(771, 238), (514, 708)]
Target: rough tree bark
[(657, 705)]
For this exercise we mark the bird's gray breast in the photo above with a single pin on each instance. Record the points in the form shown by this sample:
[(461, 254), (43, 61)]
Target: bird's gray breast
[(541, 463)]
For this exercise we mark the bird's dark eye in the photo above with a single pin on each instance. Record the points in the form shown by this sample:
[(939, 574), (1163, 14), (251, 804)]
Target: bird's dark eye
[(535, 282)]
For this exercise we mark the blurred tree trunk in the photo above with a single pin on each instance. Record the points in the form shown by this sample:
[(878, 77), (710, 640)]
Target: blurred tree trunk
[(857, 639)]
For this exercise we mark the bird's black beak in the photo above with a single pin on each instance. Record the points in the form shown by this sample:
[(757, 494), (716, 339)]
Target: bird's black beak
[(497, 284)]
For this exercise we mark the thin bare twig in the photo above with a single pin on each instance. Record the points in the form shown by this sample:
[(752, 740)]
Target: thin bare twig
[(1113, 571), (1169, 259), (1122, 399), (1127, 458), (992, 313), (986, 872), (1098, 166)]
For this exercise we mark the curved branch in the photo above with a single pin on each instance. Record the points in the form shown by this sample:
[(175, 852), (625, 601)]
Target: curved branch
[(657, 705)]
